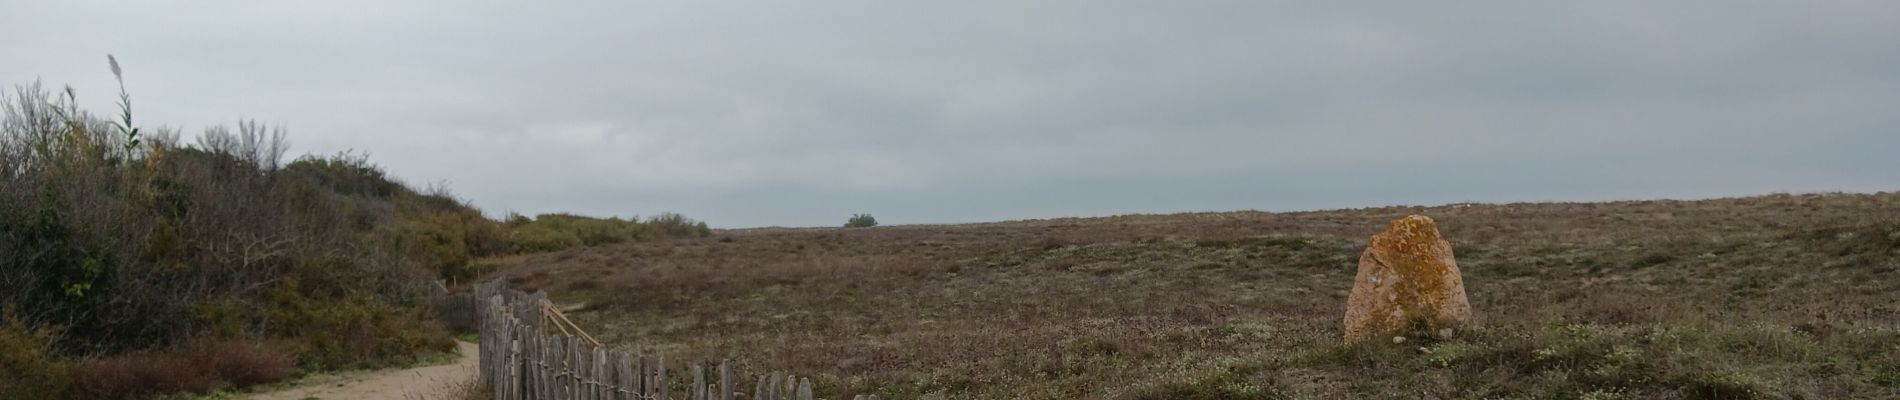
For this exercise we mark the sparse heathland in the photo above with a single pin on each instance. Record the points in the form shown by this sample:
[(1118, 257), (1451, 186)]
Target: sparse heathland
[(1781, 296)]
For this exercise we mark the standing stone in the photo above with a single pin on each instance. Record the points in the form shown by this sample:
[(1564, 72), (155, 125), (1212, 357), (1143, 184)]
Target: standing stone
[(1407, 280)]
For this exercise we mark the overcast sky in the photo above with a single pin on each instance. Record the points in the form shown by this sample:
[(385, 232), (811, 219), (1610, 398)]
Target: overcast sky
[(803, 112)]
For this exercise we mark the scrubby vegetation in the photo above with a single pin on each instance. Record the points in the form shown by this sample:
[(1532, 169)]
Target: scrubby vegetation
[(860, 221), (1784, 296), (125, 246), (137, 264), (550, 232)]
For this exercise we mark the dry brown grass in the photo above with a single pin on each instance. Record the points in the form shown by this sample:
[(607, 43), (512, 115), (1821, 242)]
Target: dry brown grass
[(1773, 296)]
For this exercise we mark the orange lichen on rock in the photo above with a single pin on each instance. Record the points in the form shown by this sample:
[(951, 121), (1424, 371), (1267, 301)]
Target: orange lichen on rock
[(1407, 281)]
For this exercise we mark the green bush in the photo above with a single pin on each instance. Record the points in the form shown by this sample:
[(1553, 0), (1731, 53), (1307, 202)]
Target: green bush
[(860, 221), (359, 333), (441, 243), (678, 226), (452, 235)]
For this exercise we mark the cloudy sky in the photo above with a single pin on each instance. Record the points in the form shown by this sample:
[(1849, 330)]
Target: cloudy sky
[(803, 112)]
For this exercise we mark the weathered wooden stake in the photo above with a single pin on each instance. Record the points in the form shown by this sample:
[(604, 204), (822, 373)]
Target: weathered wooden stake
[(778, 385), (698, 390), (725, 380), (660, 380)]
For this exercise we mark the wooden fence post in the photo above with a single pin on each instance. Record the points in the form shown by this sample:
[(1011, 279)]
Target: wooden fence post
[(725, 381), (549, 367), (589, 383), (698, 390), (604, 364), (557, 371), (660, 379), (778, 385), (574, 348), (646, 371)]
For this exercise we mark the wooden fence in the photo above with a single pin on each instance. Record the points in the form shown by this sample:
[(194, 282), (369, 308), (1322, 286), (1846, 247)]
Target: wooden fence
[(522, 360), (460, 312)]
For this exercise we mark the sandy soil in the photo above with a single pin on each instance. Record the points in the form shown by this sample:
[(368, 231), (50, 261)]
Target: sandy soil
[(430, 382)]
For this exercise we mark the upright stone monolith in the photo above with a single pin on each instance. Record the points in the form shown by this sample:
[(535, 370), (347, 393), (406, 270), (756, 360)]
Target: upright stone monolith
[(1408, 282)]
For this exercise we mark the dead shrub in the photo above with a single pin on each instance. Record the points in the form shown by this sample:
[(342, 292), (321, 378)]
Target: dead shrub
[(140, 374), (242, 363), (199, 365)]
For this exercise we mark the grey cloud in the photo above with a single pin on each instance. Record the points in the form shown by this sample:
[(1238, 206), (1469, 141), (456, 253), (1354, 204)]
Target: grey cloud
[(800, 113)]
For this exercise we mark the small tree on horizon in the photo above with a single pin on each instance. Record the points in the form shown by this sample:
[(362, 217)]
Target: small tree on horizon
[(860, 221)]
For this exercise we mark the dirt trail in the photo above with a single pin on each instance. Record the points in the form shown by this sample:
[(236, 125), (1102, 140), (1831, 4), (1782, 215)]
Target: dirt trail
[(431, 382)]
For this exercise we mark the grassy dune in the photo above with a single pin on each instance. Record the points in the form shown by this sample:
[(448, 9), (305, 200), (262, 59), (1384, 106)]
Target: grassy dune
[(1783, 296)]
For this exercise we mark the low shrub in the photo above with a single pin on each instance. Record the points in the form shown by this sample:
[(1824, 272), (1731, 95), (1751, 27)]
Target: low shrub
[(678, 226), (1225, 385), (860, 221), (537, 238), (27, 369), (358, 333), (553, 232), (452, 232)]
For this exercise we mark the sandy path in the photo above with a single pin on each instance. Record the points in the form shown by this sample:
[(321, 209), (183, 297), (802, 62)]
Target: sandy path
[(429, 382)]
